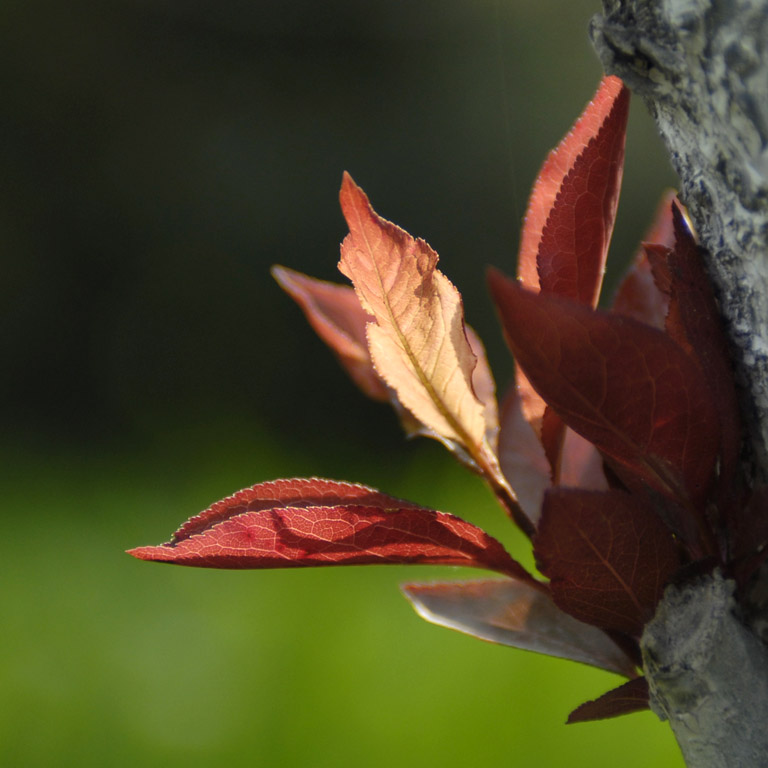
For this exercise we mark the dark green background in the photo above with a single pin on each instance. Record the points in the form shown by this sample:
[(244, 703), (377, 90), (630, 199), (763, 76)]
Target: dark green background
[(156, 157)]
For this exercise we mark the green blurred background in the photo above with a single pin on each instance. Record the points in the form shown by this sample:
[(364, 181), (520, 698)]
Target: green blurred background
[(157, 156)]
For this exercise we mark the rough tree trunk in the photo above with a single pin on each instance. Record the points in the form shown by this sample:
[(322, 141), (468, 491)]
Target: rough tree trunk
[(701, 66)]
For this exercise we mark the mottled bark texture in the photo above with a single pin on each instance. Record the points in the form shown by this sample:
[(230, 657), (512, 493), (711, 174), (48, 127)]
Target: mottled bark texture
[(701, 66)]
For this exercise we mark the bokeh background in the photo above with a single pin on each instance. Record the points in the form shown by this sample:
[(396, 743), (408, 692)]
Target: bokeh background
[(156, 157)]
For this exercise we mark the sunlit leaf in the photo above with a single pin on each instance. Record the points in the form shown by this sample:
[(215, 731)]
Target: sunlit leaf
[(418, 341), (572, 208), (277, 525), (568, 227)]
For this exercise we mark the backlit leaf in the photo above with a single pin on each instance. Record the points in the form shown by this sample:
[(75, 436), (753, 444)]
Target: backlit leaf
[(575, 238), (418, 342), (289, 492), (278, 525), (512, 612), (607, 556), (568, 227), (572, 207)]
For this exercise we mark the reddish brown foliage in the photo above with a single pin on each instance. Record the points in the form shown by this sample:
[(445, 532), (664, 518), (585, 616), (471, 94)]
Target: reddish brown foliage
[(633, 409)]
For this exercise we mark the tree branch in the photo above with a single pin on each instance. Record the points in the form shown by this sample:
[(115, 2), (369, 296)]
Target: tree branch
[(701, 67), (701, 664)]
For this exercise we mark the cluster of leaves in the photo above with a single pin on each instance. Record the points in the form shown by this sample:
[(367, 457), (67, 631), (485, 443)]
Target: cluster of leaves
[(616, 449)]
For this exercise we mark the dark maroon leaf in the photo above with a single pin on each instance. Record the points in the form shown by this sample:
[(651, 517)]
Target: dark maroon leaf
[(607, 557), (695, 323), (626, 387), (631, 697)]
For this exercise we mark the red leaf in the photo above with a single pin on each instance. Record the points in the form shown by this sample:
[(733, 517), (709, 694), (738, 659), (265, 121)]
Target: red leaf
[(633, 696), (695, 323), (335, 313), (624, 386), (575, 239), (570, 214), (638, 296), (292, 492), (569, 222), (607, 557), (514, 613), (298, 523)]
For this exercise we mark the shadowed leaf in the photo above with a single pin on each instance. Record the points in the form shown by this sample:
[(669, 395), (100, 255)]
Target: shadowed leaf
[(511, 612), (607, 557), (581, 464), (631, 697), (521, 456), (695, 323), (626, 387), (638, 295)]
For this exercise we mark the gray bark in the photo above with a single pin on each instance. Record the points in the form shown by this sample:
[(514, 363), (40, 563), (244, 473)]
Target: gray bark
[(701, 66), (701, 663)]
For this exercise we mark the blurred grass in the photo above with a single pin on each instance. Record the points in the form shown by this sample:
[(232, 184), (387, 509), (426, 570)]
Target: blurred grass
[(111, 661)]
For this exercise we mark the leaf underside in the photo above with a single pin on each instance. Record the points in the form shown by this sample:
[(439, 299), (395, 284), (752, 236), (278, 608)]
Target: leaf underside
[(512, 612), (335, 313)]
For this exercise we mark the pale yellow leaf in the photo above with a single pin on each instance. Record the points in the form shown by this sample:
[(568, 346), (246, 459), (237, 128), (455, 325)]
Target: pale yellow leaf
[(418, 341)]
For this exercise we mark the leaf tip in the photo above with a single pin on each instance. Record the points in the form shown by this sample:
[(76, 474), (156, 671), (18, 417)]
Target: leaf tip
[(150, 553), (282, 276)]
